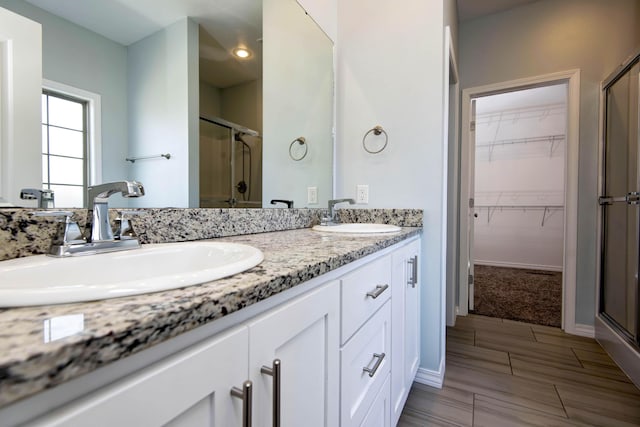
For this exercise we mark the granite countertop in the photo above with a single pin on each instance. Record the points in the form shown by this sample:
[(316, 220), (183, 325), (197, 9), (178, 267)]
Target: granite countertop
[(32, 359)]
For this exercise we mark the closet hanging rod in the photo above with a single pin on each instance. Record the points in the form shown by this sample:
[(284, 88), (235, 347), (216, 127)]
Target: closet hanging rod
[(531, 207), (547, 138)]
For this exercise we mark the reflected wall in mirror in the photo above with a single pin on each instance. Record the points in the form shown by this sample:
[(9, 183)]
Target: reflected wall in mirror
[(298, 97), (155, 73)]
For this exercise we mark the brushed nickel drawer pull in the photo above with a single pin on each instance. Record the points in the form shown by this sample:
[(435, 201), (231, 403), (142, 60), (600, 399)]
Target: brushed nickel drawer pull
[(275, 372), (413, 279), (377, 291), (372, 371), (247, 402)]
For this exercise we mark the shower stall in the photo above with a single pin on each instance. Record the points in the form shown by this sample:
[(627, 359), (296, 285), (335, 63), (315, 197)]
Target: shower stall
[(230, 165), (618, 319)]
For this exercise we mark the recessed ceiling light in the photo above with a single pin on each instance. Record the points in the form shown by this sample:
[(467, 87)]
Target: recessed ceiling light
[(242, 52)]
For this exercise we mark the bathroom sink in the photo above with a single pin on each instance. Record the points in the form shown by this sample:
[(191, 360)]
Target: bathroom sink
[(357, 228), (40, 279)]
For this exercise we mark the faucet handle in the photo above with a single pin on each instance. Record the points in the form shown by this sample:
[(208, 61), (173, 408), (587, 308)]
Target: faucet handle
[(44, 197), (124, 227), (68, 229)]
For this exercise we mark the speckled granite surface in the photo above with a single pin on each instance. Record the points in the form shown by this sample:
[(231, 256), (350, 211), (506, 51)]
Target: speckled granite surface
[(22, 234), (116, 328)]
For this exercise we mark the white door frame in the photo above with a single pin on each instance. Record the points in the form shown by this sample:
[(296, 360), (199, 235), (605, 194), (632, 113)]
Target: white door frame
[(572, 79), (451, 103)]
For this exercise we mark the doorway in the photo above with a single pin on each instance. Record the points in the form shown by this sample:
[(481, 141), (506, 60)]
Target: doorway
[(504, 203), (519, 169)]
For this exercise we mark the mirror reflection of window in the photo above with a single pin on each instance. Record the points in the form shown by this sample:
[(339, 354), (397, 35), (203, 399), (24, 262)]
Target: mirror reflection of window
[(64, 148)]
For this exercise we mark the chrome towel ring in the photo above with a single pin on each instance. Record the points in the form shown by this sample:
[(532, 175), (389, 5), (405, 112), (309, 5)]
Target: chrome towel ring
[(377, 130), (297, 156)]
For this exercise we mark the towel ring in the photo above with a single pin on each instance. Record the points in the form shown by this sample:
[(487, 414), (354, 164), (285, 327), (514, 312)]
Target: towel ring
[(377, 130), (301, 141)]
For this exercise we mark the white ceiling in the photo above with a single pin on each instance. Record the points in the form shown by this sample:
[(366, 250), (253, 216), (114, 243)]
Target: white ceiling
[(471, 9), (224, 24)]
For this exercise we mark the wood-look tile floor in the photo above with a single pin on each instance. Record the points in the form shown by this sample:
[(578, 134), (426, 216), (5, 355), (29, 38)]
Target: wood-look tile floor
[(505, 373)]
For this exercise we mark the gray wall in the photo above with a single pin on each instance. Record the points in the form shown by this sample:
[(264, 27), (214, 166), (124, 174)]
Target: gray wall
[(378, 83), (83, 59), (163, 105), (549, 36)]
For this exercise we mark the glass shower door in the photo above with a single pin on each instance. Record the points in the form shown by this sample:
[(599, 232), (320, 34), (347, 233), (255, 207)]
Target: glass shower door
[(619, 296), (215, 164)]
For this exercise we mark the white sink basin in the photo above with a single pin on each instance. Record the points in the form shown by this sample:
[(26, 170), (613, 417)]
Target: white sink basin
[(40, 279), (357, 228)]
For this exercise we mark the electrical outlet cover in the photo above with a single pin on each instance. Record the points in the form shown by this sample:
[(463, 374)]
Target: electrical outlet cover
[(362, 194), (312, 195)]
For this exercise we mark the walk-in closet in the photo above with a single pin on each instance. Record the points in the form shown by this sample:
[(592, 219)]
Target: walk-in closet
[(519, 204)]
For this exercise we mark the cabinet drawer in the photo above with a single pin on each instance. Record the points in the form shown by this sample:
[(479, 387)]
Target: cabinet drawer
[(379, 414), (368, 349), (363, 292)]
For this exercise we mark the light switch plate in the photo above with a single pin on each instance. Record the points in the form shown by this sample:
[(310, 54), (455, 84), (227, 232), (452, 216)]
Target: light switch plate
[(312, 195), (362, 194)]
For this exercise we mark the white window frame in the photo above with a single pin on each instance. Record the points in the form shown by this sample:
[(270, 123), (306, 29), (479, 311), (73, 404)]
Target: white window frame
[(94, 126)]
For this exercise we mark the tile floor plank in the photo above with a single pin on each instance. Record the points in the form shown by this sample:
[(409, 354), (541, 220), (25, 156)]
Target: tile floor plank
[(448, 404), (564, 375), (506, 387), (597, 406), (489, 412), (478, 357), (543, 351)]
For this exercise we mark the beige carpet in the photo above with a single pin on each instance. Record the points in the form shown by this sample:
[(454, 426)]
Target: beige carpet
[(532, 296)]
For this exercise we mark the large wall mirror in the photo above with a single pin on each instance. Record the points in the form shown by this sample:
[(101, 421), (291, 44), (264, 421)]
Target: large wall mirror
[(202, 123)]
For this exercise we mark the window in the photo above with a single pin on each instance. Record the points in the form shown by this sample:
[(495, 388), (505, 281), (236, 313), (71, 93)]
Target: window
[(64, 148)]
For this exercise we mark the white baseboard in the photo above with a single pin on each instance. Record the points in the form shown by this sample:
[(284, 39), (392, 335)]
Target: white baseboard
[(431, 378), (518, 265), (588, 331)]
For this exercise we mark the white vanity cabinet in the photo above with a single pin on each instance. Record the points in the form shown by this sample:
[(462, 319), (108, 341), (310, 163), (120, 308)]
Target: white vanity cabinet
[(339, 350), (405, 333), (193, 388)]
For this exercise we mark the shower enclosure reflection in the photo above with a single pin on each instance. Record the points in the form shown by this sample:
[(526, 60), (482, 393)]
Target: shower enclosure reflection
[(230, 165)]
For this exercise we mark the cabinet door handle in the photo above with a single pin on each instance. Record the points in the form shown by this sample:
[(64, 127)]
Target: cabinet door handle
[(413, 280), (372, 371), (275, 372), (247, 402), (377, 291)]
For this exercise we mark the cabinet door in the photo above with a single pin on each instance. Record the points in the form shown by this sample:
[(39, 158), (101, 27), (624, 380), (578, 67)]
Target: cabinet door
[(191, 388), (304, 335), (405, 333), (412, 315)]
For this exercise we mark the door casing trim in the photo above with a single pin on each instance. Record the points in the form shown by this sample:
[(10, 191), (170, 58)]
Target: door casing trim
[(572, 79)]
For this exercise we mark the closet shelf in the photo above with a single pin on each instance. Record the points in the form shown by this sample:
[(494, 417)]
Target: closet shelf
[(553, 141), (547, 210)]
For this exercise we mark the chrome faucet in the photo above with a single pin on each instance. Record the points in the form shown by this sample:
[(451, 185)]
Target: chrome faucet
[(44, 197), (98, 226), (98, 235), (331, 219)]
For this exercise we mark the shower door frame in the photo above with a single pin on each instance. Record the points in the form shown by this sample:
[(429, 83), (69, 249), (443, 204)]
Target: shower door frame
[(625, 352)]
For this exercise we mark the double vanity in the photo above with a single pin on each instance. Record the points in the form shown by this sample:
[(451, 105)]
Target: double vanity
[(323, 331)]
